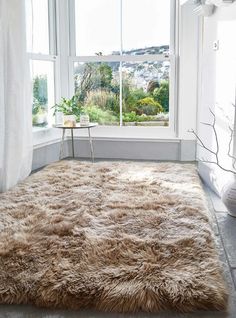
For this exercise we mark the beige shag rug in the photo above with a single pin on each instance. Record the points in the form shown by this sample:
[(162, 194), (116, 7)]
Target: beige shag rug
[(110, 236)]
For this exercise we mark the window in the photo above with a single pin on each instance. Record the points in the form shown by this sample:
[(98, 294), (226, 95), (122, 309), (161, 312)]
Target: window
[(40, 27), (97, 27), (43, 91), (123, 60)]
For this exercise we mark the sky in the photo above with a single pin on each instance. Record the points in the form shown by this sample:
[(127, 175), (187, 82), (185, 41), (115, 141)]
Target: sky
[(144, 23), (98, 23), (37, 26)]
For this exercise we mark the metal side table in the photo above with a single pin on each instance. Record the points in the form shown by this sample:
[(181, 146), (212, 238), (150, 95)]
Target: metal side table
[(78, 126)]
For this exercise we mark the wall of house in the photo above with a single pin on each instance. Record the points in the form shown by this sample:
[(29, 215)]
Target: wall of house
[(217, 82), (110, 148)]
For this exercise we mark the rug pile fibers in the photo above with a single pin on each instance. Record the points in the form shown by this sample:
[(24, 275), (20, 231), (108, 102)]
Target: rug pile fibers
[(119, 236)]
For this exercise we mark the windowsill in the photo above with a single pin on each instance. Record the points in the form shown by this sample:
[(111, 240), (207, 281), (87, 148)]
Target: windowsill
[(37, 129), (48, 135)]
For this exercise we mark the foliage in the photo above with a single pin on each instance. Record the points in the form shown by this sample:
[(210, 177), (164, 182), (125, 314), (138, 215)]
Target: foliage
[(104, 75), (131, 98), (40, 89), (148, 106), (37, 112), (69, 106), (133, 117), (152, 85), (104, 99), (161, 95), (98, 93), (38, 108), (96, 114), (94, 76), (130, 117)]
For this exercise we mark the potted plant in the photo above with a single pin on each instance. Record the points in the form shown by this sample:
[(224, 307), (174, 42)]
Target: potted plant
[(39, 113), (70, 109)]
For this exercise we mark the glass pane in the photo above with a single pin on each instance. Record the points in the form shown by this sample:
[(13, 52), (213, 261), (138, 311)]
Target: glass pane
[(37, 26), (146, 27), (97, 27), (43, 91), (98, 90), (145, 89)]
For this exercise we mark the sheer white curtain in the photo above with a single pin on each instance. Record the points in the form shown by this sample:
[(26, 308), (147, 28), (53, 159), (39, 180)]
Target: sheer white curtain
[(15, 96)]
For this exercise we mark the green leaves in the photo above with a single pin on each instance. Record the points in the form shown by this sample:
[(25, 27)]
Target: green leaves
[(68, 106)]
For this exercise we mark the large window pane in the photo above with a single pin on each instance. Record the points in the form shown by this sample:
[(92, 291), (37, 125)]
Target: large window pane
[(43, 91), (98, 89), (97, 27), (37, 26), (145, 90), (146, 26)]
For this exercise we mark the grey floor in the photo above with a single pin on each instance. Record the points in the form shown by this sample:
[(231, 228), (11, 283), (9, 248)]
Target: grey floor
[(225, 230)]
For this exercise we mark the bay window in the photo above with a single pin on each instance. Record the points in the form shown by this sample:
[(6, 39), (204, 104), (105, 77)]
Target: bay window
[(117, 56), (123, 59), (41, 47)]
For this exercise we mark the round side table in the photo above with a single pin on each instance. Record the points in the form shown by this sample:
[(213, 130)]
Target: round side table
[(78, 126)]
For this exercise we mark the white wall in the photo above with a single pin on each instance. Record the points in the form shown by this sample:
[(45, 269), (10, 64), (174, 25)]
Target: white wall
[(188, 70), (217, 90)]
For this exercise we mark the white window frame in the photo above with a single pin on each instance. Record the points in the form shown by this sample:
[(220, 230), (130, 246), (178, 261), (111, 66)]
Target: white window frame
[(52, 56), (132, 131)]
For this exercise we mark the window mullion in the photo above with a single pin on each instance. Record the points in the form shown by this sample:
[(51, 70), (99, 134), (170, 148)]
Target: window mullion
[(121, 53), (72, 28), (121, 95), (52, 27)]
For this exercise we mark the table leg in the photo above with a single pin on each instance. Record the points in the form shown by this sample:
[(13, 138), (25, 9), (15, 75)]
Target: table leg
[(72, 143), (91, 145), (62, 145)]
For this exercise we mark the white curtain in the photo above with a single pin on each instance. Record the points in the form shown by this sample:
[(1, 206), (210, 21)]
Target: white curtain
[(15, 96)]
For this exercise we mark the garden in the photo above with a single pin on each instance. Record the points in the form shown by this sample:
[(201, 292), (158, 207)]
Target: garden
[(97, 93)]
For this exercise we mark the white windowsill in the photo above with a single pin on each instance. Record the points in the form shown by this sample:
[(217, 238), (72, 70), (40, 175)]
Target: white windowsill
[(48, 135)]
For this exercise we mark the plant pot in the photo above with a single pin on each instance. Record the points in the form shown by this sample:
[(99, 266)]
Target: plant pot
[(69, 120), (84, 120), (229, 197), (59, 118), (40, 119)]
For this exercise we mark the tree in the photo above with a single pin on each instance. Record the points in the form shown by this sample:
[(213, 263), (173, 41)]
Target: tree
[(152, 85), (94, 76), (40, 89), (104, 76), (161, 95)]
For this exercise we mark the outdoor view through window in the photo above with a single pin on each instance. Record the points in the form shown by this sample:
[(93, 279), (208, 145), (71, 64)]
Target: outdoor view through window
[(129, 85), (121, 63)]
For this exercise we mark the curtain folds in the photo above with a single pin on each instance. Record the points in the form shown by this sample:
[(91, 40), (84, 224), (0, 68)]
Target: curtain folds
[(15, 96)]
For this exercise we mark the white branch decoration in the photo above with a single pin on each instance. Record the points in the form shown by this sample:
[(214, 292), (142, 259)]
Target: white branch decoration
[(216, 153)]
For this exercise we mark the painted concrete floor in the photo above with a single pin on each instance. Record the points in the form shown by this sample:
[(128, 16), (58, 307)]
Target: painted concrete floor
[(225, 230)]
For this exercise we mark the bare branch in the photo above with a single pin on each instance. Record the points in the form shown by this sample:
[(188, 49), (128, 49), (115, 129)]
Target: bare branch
[(201, 142), (206, 124), (216, 153), (215, 133), (229, 150), (216, 163)]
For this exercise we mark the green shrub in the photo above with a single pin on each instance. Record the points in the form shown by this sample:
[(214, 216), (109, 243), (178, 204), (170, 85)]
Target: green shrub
[(104, 99), (161, 95), (130, 117), (132, 97), (148, 106), (133, 117), (101, 116)]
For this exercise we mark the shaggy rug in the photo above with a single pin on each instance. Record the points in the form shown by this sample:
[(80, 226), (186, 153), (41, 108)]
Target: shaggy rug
[(114, 236)]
